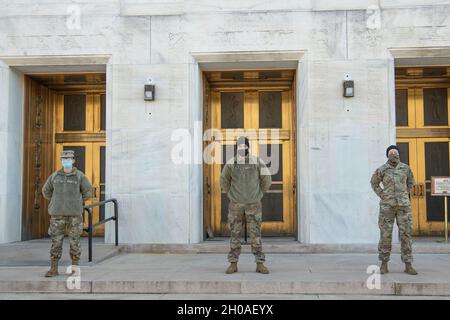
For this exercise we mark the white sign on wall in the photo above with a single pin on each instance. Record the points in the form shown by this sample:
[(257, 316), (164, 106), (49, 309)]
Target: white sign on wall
[(440, 186)]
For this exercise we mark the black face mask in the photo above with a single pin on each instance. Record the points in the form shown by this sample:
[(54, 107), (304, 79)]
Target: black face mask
[(394, 159)]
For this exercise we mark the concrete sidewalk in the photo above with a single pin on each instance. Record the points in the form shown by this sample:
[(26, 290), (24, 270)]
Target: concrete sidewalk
[(37, 252), (294, 274), (298, 271)]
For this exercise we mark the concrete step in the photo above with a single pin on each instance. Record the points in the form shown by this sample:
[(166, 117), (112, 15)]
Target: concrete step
[(303, 287), (271, 246), (301, 274)]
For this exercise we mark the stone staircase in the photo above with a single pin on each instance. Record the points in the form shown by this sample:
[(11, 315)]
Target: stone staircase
[(296, 269)]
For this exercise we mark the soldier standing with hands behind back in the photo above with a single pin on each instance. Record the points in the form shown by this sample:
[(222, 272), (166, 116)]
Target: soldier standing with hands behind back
[(67, 189), (245, 178), (398, 180)]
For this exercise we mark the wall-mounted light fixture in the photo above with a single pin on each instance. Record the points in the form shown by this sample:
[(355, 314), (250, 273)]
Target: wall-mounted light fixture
[(149, 90), (349, 87)]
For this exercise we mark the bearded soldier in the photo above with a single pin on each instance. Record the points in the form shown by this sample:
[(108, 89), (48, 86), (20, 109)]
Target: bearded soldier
[(67, 189), (245, 178), (398, 180)]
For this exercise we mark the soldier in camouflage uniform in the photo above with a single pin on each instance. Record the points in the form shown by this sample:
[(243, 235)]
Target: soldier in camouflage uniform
[(67, 189), (245, 178), (398, 180)]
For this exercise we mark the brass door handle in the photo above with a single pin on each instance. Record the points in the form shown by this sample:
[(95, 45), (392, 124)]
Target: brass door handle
[(418, 190), (422, 190), (95, 192), (414, 190)]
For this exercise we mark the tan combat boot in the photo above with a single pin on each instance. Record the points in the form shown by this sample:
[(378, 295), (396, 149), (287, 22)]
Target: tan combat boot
[(261, 268), (384, 267), (409, 269), (232, 268), (75, 267), (53, 269)]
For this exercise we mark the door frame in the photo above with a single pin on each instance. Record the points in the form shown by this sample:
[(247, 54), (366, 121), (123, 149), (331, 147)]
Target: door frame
[(93, 139), (416, 134), (427, 227), (17, 68), (38, 157), (35, 224), (208, 96)]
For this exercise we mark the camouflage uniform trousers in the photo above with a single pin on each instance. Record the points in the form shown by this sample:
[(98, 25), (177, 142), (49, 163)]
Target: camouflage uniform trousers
[(58, 225), (403, 216), (253, 215)]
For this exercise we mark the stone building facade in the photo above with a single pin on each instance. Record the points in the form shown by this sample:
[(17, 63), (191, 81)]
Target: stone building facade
[(339, 141)]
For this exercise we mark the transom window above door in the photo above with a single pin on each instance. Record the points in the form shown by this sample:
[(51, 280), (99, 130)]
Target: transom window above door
[(422, 97)]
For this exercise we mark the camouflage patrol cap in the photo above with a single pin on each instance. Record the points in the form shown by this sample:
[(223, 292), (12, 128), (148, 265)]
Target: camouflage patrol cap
[(243, 140), (68, 154)]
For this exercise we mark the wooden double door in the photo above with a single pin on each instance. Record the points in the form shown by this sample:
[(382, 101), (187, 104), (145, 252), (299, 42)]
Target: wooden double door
[(62, 112), (423, 137), (265, 115), (427, 157), (80, 126), (90, 159)]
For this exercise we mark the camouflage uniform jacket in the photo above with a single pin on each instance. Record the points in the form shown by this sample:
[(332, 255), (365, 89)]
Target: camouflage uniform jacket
[(245, 182), (66, 192), (397, 183)]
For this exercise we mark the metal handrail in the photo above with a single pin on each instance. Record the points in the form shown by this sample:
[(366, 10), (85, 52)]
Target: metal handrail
[(90, 228), (245, 228)]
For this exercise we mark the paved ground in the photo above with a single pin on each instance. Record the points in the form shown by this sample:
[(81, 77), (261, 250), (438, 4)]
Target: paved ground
[(36, 252), (143, 296), (315, 274), (119, 274)]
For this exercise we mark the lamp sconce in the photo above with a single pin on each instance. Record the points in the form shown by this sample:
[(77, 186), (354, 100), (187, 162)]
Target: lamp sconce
[(349, 87), (149, 90)]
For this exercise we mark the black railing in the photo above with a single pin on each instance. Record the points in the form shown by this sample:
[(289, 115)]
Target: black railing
[(245, 228), (90, 228)]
